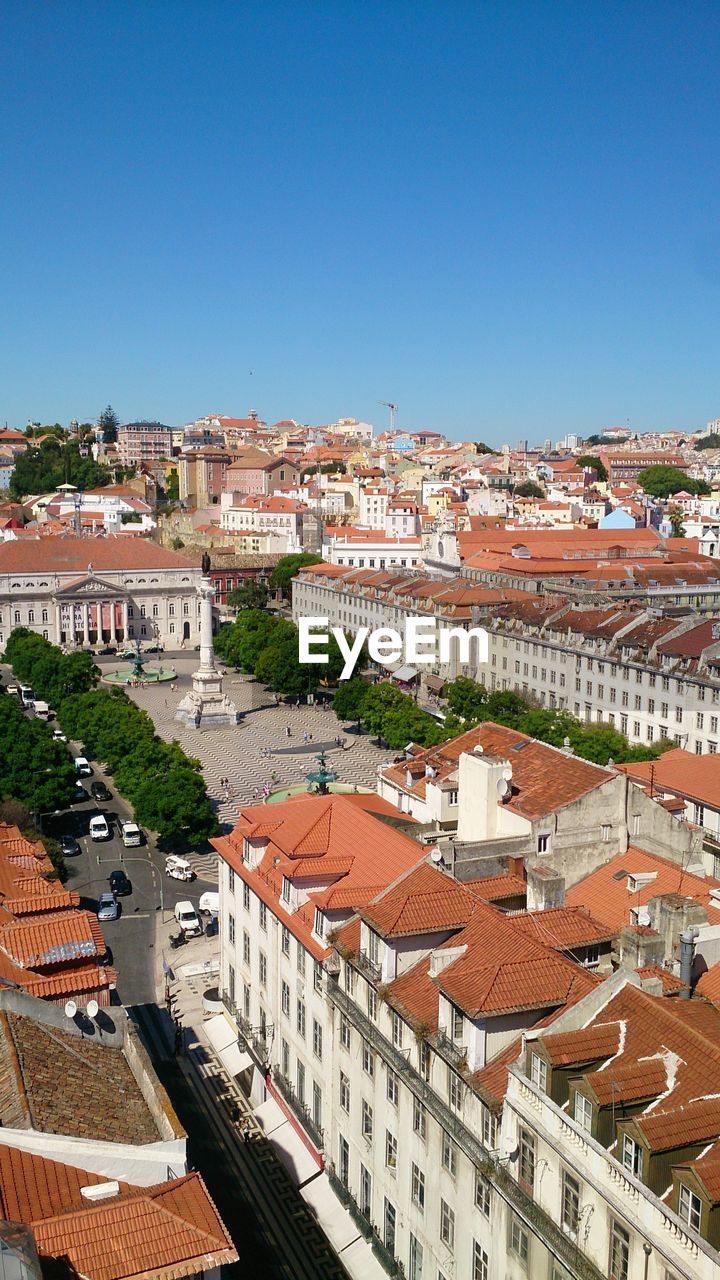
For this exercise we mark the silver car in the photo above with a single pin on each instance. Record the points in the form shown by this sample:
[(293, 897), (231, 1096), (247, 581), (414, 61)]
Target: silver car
[(107, 907)]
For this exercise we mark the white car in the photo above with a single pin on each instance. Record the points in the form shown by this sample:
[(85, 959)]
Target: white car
[(99, 829), (82, 767), (59, 736), (187, 918)]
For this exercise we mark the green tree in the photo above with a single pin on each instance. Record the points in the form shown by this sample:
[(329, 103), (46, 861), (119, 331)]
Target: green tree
[(379, 700), (42, 468), (349, 699), (171, 488), (286, 568), (467, 699), (250, 595), (177, 544), (108, 423), (529, 489), (591, 460), (661, 481), (407, 723), (711, 441)]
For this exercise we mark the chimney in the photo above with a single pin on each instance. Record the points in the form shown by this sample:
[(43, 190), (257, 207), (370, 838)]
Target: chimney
[(687, 955), (545, 889)]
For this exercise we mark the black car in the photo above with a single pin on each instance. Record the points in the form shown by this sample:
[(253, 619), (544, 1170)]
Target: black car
[(99, 791), (106, 650), (119, 884), (79, 794), (69, 846)]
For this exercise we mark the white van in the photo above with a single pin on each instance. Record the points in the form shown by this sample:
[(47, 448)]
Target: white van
[(82, 767), (26, 695), (131, 834), (99, 829), (209, 904), (43, 711)]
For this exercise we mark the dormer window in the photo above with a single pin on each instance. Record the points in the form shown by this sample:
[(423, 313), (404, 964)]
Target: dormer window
[(286, 891), (247, 852), (632, 1155), (689, 1207), (538, 1071), (582, 1112), (320, 924), (458, 1024), (373, 947)]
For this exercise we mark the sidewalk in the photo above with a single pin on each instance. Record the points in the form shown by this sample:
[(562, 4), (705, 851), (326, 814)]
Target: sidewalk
[(212, 1054)]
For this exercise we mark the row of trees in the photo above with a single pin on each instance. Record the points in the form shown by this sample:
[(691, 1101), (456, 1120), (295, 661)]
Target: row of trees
[(267, 646), (34, 768), (163, 784), (387, 712)]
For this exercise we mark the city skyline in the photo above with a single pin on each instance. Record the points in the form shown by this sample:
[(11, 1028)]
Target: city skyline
[(501, 221)]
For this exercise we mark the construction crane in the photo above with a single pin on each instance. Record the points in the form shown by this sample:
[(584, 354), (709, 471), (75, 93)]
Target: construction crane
[(393, 410)]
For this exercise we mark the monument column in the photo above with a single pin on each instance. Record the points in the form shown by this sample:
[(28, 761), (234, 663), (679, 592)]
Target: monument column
[(58, 624), (86, 622), (206, 706), (126, 617), (113, 633)]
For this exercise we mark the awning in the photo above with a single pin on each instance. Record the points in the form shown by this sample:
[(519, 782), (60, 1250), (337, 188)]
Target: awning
[(404, 674), (223, 1039), (355, 1252), (435, 682), (290, 1148)]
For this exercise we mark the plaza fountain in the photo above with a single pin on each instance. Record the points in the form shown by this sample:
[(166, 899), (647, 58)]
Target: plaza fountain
[(138, 673)]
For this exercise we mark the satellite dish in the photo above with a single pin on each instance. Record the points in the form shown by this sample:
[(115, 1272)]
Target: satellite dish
[(436, 855), (504, 789), (70, 1009), (92, 1008)]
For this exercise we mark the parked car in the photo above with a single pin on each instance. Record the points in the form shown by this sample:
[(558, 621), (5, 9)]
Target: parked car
[(153, 648), (69, 846), (131, 835), (83, 767), (107, 907), (59, 736), (178, 868), (80, 795), (187, 918), (119, 884), (99, 829), (99, 791), (209, 903), (106, 650)]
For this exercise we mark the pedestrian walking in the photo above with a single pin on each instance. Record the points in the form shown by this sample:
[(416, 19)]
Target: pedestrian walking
[(246, 1131)]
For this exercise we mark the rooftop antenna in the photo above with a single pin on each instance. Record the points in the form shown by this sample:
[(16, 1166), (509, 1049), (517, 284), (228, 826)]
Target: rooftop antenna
[(393, 410)]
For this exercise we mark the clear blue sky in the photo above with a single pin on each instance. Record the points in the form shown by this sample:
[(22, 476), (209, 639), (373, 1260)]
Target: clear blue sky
[(505, 217)]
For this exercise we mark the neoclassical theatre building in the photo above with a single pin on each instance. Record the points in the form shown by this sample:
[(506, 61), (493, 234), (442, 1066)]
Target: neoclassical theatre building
[(89, 591)]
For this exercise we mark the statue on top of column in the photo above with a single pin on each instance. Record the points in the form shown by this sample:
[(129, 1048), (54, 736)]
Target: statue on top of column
[(205, 564)]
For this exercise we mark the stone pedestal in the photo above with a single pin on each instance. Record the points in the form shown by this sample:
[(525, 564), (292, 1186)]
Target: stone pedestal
[(206, 706)]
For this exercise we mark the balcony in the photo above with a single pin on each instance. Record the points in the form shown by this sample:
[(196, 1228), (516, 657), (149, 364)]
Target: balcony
[(455, 1053), (299, 1109), (258, 1038), (367, 966), (363, 1223)]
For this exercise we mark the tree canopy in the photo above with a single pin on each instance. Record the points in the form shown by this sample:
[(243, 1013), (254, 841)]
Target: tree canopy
[(591, 460), (108, 423), (45, 466), (661, 481), (529, 489), (249, 595), (711, 441), (286, 568)]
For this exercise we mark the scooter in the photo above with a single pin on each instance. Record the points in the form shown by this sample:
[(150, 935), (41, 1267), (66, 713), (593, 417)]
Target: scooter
[(177, 940)]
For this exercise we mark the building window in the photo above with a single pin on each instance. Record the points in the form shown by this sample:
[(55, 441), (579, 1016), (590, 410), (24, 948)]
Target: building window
[(449, 1155), (263, 917), (344, 1032), (389, 1224), (317, 1039), (344, 1161), (689, 1207), (419, 1119), (300, 1081), (605, 832), (231, 930), (368, 1059), (397, 1029), (526, 1165), (480, 1263), (538, 1071), (570, 1202), (317, 1104), (518, 1240), (365, 1192), (246, 947), (367, 1119), (301, 1018), (263, 969), (246, 1000), (543, 843), (285, 1058), (482, 1194), (425, 1060), (390, 1150), (489, 1129), (371, 1002), (455, 1091), (458, 1023), (345, 1092), (285, 941), (415, 1269), (393, 1087), (285, 996), (582, 1112), (619, 1260), (632, 1155), (349, 979), (246, 896), (417, 1191), (447, 1225)]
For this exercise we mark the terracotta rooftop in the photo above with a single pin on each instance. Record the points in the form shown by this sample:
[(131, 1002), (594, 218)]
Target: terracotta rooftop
[(544, 779), (605, 894), (680, 773), (563, 928), (60, 554)]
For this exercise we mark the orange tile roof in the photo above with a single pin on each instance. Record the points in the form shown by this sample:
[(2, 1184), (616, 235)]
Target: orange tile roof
[(680, 773), (670, 983), (601, 1040), (608, 899), (424, 901), (498, 888), (56, 554), (53, 939), (564, 927), (707, 1169), (544, 778), (708, 984)]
